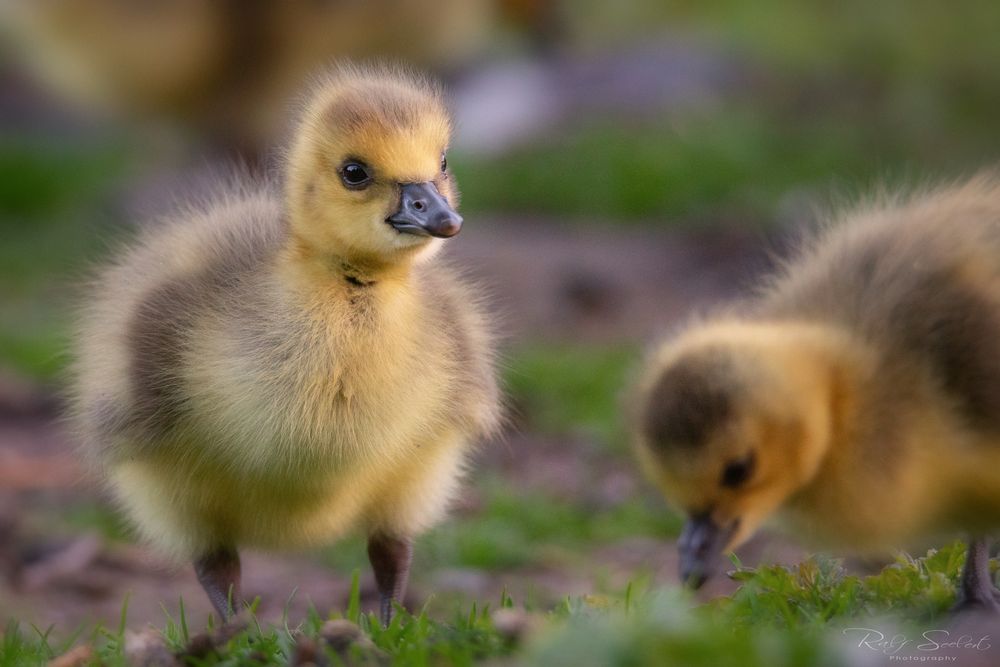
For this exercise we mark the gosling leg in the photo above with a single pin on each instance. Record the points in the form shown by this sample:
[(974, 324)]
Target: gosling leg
[(218, 572), (976, 590), (390, 558)]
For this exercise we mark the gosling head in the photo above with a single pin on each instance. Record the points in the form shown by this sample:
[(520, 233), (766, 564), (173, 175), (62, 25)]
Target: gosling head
[(731, 421), (368, 180)]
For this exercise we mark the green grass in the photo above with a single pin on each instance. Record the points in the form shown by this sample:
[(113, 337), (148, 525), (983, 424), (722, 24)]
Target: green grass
[(732, 164), (820, 590), (661, 630), (905, 43), (921, 59), (41, 177), (411, 639), (516, 532), (779, 617), (53, 223), (738, 161), (89, 516), (523, 529), (570, 388)]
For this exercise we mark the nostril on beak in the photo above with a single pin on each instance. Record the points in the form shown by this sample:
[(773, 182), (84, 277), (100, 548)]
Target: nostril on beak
[(419, 205), (449, 225)]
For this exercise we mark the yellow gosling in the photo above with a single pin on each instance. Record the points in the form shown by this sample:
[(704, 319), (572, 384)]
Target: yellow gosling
[(273, 371), (857, 396)]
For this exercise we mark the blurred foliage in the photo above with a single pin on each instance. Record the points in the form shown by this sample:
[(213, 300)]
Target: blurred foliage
[(90, 517), (733, 164), (661, 630), (514, 528), (901, 43), (41, 179), (564, 388), (917, 56), (527, 529), (830, 95), (53, 224)]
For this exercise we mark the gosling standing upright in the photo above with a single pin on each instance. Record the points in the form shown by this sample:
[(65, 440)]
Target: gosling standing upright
[(859, 393), (273, 371)]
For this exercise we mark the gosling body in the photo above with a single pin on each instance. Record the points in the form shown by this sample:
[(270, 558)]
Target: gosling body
[(857, 396), (272, 371)]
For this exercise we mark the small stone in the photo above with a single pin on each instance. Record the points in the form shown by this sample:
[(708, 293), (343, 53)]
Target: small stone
[(307, 654), (514, 625), (147, 649), (341, 633), (347, 639), (81, 656), (203, 644)]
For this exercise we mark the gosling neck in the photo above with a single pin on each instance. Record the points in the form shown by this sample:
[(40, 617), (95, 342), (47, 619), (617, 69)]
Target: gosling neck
[(351, 269), (840, 365)]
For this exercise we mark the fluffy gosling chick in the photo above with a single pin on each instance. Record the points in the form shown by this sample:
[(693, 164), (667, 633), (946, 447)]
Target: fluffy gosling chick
[(858, 394), (273, 371)]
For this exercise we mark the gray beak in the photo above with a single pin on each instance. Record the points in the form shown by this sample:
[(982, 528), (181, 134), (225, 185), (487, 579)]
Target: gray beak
[(424, 212), (700, 544)]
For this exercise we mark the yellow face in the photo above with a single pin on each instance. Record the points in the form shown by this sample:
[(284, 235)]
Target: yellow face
[(368, 176), (728, 431), (736, 478)]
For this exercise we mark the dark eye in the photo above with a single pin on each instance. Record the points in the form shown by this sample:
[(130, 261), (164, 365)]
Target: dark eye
[(736, 473), (444, 163), (355, 175)]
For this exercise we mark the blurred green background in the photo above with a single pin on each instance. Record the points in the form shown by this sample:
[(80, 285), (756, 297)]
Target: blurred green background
[(709, 129), (801, 97)]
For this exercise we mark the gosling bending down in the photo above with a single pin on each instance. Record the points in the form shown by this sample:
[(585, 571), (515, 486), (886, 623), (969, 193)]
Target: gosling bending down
[(858, 394), (273, 371)]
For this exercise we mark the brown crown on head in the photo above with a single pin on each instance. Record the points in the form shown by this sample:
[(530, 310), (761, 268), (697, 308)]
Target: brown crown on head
[(688, 403)]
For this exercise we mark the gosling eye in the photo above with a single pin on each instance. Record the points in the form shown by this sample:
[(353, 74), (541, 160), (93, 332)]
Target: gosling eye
[(444, 163), (736, 473), (355, 175)]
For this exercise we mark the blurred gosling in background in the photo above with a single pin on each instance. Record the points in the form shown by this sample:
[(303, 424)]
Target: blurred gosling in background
[(230, 67), (858, 395), (272, 372)]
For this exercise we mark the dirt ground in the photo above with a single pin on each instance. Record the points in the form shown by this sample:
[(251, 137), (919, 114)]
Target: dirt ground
[(548, 281)]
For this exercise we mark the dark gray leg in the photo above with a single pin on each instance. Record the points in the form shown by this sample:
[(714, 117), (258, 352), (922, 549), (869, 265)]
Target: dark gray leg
[(219, 574), (976, 590), (390, 558)]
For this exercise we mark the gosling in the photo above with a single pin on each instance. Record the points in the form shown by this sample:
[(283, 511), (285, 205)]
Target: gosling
[(857, 395), (271, 372), (225, 68)]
